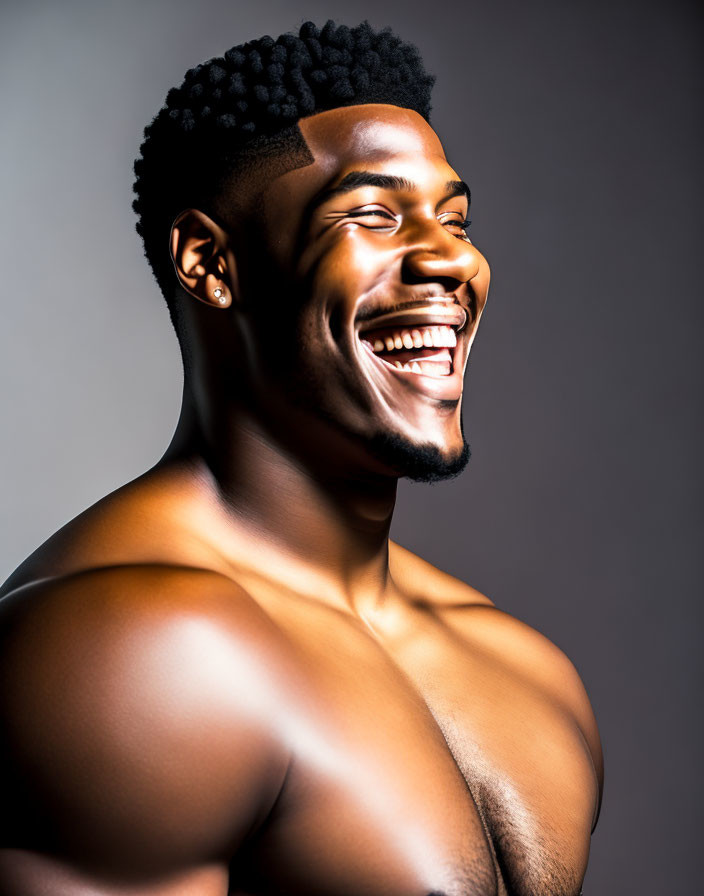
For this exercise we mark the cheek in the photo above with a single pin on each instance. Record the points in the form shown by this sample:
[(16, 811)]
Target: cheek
[(305, 311), (362, 253), (351, 262), (352, 266)]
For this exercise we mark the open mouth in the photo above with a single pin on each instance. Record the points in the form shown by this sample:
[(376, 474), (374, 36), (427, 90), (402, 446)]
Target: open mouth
[(417, 340), (426, 350)]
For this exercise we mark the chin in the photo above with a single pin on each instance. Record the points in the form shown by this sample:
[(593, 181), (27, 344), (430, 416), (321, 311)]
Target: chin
[(420, 462)]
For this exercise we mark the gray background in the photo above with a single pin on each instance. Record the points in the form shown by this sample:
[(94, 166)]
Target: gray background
[(578, 128)]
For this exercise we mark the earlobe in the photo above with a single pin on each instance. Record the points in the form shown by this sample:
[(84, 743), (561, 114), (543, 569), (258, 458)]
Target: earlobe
[(198, 247)]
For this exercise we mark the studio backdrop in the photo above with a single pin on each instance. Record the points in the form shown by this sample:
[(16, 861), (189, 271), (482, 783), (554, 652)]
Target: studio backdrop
[(578, 128)]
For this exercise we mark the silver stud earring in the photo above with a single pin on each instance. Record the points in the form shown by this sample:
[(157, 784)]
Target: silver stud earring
[(220, 295)]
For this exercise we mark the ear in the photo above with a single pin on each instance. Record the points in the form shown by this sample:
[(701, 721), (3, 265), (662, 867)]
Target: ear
[(204, 264)]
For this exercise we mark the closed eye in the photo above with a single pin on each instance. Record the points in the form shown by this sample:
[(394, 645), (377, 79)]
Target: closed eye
[(373, 212), (463, 225), (381, 213)]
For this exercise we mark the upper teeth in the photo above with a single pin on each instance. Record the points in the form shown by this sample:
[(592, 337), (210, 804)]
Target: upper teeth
[(430, 337)]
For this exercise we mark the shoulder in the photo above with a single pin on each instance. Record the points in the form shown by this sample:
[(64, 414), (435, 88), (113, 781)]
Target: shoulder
[(145, 523), (416, 576), (133, 609), (146, 697)]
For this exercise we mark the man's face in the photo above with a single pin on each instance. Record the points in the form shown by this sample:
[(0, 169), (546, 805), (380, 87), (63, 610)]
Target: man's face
[(365, 295)]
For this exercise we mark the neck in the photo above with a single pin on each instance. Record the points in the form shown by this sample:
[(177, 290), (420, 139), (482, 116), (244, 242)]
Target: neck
[(294, 514)]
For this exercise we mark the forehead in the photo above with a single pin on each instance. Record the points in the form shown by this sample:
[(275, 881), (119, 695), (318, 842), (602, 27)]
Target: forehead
[(376, 137), (370, 133)]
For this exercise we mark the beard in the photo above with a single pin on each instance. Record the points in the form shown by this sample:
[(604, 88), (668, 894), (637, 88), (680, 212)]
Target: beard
[(419, 462)]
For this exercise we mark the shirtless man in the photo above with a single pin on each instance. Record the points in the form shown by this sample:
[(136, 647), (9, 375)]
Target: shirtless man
[(223, 677)]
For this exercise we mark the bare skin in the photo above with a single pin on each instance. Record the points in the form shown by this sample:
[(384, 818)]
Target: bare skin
[(224, 675)]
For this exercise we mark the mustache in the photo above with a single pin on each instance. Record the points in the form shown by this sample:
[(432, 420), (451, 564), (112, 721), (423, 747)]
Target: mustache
[(378, 308)]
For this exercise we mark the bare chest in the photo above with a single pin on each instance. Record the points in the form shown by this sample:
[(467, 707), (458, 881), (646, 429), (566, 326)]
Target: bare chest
[(424, 766), (522, 756)]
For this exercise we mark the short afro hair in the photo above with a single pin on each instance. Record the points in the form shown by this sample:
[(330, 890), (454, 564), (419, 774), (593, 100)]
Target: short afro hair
[(250, 99)]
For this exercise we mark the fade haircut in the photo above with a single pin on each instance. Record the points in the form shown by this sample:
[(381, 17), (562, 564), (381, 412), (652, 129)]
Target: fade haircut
[(242, 108)]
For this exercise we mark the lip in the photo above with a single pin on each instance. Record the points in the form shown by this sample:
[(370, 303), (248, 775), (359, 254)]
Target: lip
[(433, 313)]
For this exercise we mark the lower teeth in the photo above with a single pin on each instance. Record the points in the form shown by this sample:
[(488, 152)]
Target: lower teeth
[(429, 368)]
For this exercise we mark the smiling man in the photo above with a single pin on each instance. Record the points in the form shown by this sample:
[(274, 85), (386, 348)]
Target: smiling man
[(223, 677)]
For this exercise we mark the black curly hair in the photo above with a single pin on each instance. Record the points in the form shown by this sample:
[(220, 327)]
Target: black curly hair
[(246, 104)]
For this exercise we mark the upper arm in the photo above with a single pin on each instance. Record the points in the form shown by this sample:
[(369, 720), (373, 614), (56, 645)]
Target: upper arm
[(574, 695), (557, 676), (140, 709)]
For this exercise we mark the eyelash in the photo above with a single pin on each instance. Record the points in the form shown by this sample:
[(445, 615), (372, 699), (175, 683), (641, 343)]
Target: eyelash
[(362, 214)]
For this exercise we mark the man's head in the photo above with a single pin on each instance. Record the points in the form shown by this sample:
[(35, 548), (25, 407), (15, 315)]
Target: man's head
[(333, 228)]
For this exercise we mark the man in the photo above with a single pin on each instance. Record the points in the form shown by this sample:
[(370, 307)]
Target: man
[(223, 677)]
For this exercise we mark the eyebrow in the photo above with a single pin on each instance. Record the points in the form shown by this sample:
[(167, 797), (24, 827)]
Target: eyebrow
[(356, 179)]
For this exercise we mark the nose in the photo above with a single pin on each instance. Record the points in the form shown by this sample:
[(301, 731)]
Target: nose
[(434, 253)]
